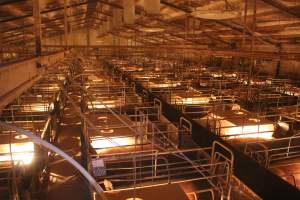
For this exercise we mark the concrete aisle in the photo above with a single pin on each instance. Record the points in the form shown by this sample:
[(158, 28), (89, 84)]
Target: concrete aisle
[(66, 182)]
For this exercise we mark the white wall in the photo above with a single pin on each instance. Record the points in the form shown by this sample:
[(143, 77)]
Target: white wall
[(12, 76), (17, 77), (79, 37)]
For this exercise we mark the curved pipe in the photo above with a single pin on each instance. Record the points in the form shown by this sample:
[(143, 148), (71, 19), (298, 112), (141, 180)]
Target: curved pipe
[(49, 146)]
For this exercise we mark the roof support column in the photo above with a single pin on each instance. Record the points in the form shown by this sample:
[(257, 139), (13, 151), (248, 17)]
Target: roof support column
[(245, 23), (66, 29), (117, 18), (252, 59), (244, 31), (278, 65), (129, 11), (88, 39), (1, 48), (253, 38), (37, 30), (71, 35)]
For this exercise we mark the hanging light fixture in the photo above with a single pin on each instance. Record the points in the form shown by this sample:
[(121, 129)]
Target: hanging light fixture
[(152, 29)]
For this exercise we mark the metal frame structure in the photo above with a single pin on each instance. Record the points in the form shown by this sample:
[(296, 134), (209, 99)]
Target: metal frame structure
[(229, 98), (37, 110), (145, 119)]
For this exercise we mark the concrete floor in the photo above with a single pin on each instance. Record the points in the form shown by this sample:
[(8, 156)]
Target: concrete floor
[(66, 182)]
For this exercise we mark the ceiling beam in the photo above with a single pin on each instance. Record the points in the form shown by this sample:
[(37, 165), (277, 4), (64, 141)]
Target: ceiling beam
[(240, 28), (8, 2), (215, 38), (16, 18), (91, 7), (199, 50), (37, 29), (282, 7), (62, 7), (223, 23), (42, 12), (111, 4), (175, 7)]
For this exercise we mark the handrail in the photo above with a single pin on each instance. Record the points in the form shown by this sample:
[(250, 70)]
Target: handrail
[(183, 120), (229, 160), (158, 103), (285, 152)]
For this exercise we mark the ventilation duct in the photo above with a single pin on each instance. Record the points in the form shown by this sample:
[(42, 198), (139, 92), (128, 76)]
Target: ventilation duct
[(117, 18), (152, 7), (100, 31), (129, 11), (104, 29)]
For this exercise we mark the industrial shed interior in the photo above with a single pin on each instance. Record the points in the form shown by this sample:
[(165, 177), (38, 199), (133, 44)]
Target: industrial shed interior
[(150, 99)]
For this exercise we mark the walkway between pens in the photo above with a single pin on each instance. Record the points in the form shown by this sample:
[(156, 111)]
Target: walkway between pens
[(65, 180)]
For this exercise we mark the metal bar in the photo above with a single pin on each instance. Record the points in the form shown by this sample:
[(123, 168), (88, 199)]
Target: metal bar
[(1, 47), (51, 147), (245, 22), (245, 169), (282, 7), (66, 29), (37, 31), (8, 2)]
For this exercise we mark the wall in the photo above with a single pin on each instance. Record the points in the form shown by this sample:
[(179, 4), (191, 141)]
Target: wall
[(13, 75), (17, 77), (53, 58), (289, 68), (79, 37)]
